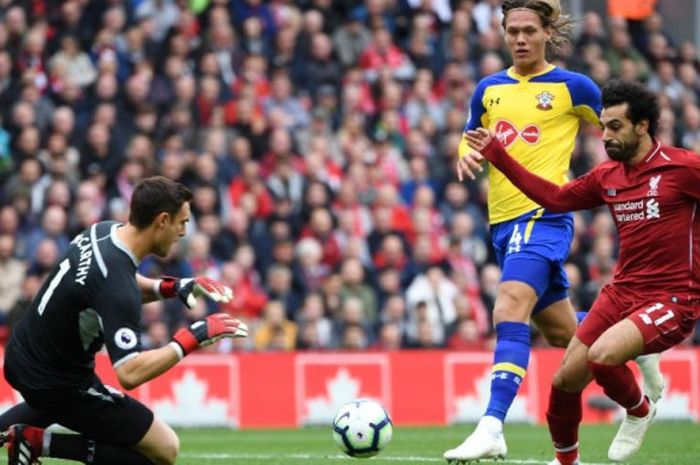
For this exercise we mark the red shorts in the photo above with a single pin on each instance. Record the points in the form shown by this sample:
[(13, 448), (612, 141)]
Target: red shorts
[(663, 323)]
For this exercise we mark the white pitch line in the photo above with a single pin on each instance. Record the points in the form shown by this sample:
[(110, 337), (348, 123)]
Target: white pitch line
[(389, 458)]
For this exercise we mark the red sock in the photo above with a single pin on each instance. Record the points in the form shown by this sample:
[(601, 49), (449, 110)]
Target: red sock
[(619, 384), (569, 457), (35, 436), (641, 409), (563, 417)]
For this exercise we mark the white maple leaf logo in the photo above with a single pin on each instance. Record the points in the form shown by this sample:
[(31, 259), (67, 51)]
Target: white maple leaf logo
[(340, 389), (191, 405)]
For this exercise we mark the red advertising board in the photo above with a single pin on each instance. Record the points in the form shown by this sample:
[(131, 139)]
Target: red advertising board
[(417, 387), (324, 382), (467, 386)]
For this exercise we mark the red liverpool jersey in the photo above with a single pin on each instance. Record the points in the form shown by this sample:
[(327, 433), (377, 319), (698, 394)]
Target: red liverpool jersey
[(654, 204)]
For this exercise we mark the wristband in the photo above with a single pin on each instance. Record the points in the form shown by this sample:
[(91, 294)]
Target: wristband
[(178, 349), (187, 341), (167, 287), (156, 289)]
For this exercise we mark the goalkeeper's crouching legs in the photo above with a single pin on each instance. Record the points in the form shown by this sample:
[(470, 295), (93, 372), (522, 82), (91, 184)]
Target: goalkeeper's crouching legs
[(25, 444)]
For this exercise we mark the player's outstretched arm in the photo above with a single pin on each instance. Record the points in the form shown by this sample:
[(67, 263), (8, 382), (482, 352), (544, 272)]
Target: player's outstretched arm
[(206, 332), (146, 366), (582, 193), (148, 288), (152, 363), (186, 289)]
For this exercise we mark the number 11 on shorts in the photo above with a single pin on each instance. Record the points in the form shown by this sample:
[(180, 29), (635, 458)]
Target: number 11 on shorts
[(647, 318)]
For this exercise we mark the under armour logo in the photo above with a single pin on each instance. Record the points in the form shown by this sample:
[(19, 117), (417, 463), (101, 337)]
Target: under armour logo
[(494, 101), (508, 133)]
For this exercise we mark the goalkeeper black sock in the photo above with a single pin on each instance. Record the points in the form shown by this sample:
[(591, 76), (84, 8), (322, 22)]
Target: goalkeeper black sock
[(77, 447)]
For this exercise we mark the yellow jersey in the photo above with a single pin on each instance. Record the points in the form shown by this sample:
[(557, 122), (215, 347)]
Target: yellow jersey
[(536, 118)]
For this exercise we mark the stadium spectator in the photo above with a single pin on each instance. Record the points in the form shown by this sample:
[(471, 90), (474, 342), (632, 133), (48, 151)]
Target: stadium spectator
[(309, 253), (382, 54), (352, 274), (390, 337), (250, 298), (71, 64), (351, 39), (278, 286), (13, 271), (430, 297), (275, 331), (315, 329)]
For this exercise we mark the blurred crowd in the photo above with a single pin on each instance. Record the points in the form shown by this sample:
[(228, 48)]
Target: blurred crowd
[(319, 139)]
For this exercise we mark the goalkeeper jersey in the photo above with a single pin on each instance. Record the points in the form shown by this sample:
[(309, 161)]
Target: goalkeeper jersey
[(536, 118), (90, 299)]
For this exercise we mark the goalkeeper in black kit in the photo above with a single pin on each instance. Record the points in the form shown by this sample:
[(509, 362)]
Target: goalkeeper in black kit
[(91, 298)]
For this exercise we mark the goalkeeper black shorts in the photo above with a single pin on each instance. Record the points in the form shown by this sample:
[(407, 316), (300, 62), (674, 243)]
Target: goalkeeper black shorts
[(99, 412)]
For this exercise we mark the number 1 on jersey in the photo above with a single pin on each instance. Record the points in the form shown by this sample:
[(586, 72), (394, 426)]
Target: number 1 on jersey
[(62, 270)]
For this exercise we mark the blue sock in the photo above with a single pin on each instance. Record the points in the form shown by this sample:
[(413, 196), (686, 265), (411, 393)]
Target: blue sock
[(580, 316), (510, 361)]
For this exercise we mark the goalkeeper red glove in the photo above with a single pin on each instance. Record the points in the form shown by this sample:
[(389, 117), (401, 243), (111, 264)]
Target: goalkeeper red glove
[(188, 289), (204, 332)]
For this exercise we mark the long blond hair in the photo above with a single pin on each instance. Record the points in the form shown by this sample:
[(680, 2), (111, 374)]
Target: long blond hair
[(549, 12)]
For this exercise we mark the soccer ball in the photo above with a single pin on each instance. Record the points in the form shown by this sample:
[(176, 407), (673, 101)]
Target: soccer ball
[(362, 428)]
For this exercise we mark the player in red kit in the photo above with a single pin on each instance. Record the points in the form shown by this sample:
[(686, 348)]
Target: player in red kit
[(651, 304)]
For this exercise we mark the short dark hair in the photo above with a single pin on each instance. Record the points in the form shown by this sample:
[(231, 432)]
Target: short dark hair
[(155, 195), (642, 103)]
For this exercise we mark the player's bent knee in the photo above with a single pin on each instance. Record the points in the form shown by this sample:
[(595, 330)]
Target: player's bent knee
[(511, 309), (161, 445), (561, 382), (559, 338), (171, 450), (167, 453), (600, 353)]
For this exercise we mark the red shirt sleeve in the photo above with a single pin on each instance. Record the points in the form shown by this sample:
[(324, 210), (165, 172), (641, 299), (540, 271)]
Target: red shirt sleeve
[(690, 178), (580, 194)]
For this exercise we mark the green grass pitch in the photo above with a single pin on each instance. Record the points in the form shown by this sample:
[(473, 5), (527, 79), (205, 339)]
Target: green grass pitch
[(666, 444)]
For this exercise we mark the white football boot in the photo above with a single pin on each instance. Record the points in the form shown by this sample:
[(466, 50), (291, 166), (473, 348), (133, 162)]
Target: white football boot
[(479, 445), (630, 436), (649, 366)]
